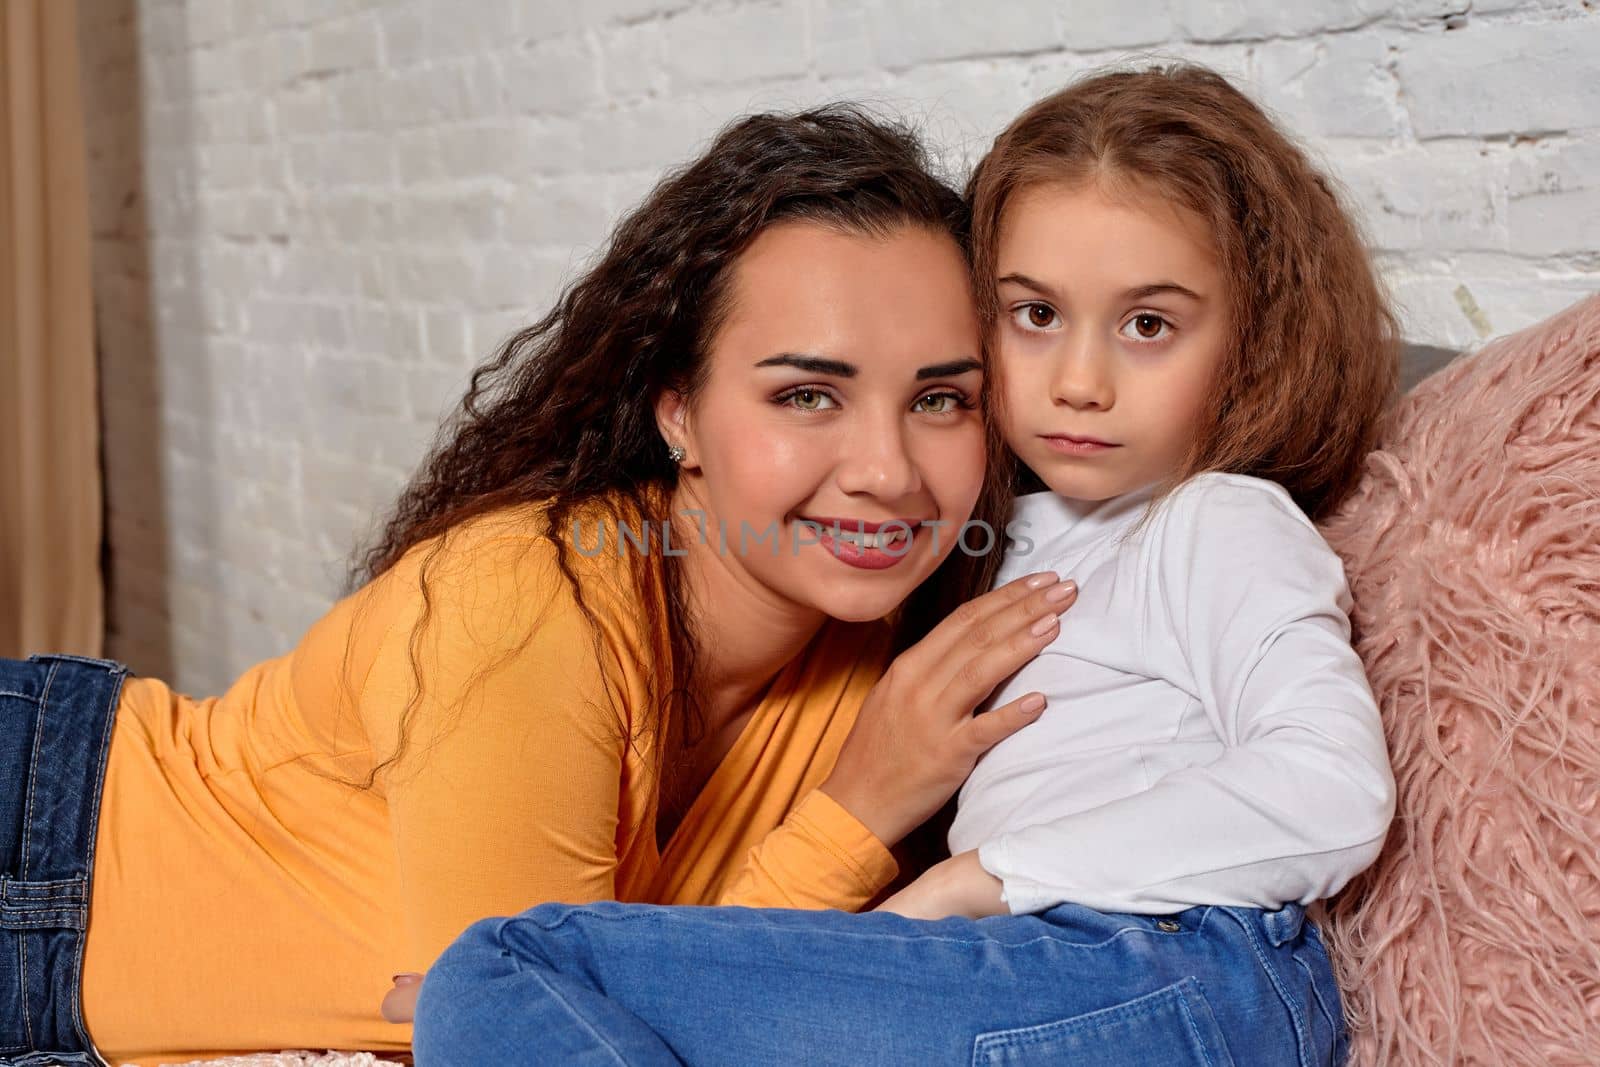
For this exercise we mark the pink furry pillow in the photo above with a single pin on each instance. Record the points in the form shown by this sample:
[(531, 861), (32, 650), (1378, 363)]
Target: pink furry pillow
[(1473, 551)]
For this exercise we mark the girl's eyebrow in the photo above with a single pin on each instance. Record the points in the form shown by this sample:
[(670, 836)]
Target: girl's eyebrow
[(1136, 293), (1027, 283), (1161, 287), (840, 369)]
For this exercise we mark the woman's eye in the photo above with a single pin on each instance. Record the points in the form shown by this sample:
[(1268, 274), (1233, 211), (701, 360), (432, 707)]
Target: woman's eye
[(1036, 317), (1146, 327), (941, 403), (805, 399)]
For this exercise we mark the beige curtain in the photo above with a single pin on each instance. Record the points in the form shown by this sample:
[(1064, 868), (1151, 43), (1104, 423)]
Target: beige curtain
[(51, 597)]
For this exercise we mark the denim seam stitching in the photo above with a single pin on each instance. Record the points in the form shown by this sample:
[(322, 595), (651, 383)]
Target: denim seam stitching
[(22, 982), (1138, 1006), (1301, 1038), (114, 701), (572, 912), (27, 818), (1193, 1023), (33, 763), (1316, 996), (22, 889), (570, 1010)]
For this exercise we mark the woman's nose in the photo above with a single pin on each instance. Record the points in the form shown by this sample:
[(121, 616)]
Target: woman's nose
[(875, 460)]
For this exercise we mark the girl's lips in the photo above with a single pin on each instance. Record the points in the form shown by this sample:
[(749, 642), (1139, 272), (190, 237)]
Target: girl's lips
[(1076, 446)]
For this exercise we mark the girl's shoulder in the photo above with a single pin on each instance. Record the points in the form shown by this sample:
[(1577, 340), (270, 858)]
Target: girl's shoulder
[(1237, 497), (1234, 514), (1240, 530)]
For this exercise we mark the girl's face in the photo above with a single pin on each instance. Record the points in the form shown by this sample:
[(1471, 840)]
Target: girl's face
[(1113, 322), (843, 384)]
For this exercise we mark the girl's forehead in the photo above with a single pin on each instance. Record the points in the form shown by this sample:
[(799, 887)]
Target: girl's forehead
[(1087, 228), (1070, 203)]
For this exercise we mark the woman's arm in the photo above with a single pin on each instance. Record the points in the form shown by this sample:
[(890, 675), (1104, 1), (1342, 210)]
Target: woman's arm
[(506, 794), (1301, 797)]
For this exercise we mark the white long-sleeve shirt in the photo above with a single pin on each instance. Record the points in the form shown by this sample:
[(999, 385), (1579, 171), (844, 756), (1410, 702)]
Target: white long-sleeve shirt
[(1210, 736)]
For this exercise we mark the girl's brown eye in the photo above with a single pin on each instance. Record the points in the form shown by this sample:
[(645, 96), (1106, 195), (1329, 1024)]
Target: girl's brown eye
[(1149, 326), (1040, 316)]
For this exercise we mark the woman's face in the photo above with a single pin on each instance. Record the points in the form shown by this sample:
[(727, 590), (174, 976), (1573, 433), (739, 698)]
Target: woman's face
[(843, 385)]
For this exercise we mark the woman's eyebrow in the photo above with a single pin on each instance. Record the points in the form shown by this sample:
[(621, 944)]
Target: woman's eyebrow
[(814, 364), (948, 370), (840, 369)]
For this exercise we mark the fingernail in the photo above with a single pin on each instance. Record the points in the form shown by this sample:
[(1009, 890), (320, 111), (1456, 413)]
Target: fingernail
[(407, 978), (1032, 704), (1039, 581), (1062, 591), (1045, 625)]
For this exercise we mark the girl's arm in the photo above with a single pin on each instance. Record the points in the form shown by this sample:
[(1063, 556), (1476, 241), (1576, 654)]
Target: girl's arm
[(957, 886), (1255, 603)]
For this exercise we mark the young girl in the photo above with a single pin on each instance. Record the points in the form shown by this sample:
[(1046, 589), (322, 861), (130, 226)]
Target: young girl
[(1191, 357)]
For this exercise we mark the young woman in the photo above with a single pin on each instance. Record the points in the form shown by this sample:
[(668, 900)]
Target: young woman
[(780, 336), (1192, 355)]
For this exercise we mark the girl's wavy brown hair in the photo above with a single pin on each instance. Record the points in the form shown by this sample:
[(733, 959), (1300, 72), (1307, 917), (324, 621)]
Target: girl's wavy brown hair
[(564, 413), (1314, 353)]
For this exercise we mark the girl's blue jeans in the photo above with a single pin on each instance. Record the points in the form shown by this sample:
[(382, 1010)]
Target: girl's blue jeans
[(640, 984)]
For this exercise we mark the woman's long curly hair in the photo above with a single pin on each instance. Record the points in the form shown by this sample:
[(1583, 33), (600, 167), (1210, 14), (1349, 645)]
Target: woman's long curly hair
[(1313, 359), (564, 413)]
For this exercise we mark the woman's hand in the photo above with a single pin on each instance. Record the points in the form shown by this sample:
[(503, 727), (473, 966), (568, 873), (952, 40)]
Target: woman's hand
[(916, 739), (957, 886), (400, 1003)]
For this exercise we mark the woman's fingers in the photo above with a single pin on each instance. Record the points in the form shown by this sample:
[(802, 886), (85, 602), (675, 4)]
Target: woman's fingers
[(910, 746), (973, 621), (983, 732), (1024, 629)]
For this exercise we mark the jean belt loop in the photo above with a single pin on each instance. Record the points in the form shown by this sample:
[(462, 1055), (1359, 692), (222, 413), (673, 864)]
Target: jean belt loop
[(1284, 924)]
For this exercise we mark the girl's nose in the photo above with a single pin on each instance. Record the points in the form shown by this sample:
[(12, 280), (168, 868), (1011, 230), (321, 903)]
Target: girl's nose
[(1083, 377)]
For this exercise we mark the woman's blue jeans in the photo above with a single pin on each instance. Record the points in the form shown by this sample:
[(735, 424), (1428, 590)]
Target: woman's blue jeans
[(56, 714), (639, 984)]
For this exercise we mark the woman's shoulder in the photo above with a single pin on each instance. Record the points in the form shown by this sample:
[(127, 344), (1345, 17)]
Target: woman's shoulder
[(502, 552), (499, 576)]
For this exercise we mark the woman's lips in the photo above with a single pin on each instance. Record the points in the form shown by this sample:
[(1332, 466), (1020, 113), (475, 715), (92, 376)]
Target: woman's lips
[(1068, 445), (849, 551)]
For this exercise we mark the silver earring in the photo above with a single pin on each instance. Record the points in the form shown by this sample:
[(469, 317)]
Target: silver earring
[(676, 454)]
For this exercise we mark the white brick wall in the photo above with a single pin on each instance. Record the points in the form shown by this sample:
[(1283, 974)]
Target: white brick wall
[(313, 217)]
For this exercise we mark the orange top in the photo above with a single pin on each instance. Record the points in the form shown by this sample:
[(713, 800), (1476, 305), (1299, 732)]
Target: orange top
[(245, 899)]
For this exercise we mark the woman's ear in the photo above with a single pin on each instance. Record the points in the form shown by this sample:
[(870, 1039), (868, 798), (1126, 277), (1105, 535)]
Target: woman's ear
[(673, 419)]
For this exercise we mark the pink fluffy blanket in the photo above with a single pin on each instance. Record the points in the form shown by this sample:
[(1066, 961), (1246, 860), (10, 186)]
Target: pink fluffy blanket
[(1473, 550)]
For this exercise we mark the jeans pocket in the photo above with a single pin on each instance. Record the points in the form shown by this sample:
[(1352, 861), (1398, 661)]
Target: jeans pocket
[(1173, 1025)]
